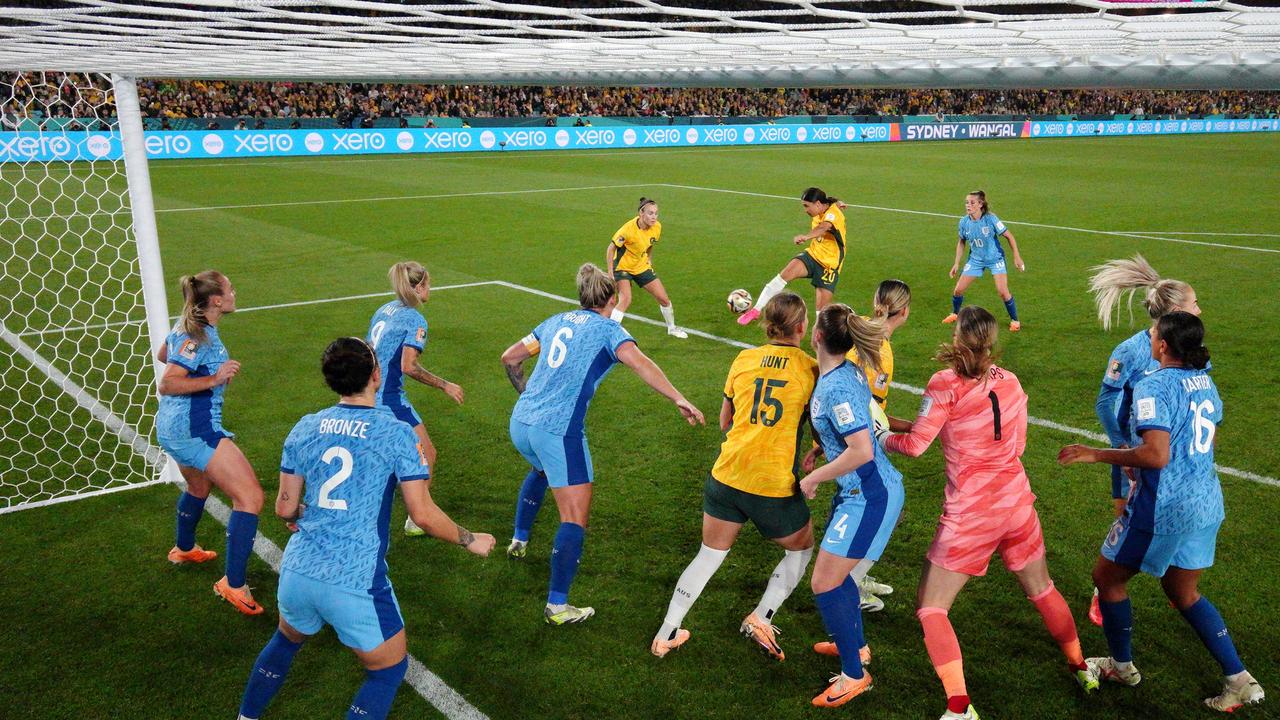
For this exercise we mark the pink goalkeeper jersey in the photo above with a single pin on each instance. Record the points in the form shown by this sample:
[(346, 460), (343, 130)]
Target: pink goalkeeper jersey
[(983, 424)]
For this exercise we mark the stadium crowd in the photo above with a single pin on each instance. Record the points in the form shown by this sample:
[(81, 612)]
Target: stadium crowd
[(75, 96), (196, 98)]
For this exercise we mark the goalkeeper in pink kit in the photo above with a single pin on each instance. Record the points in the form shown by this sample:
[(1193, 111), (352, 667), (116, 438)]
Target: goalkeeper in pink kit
[(980, 412)]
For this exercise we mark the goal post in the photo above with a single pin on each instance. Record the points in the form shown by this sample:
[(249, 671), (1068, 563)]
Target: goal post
[(82, 297)]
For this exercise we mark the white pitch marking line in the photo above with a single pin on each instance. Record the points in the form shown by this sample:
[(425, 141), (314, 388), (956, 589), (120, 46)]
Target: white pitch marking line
[(1212, 234), (1007, 222), (428, 684), (395, 198), (121, 323)]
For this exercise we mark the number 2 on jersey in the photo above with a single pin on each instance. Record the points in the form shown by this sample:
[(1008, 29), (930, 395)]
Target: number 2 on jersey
[(344, 471)]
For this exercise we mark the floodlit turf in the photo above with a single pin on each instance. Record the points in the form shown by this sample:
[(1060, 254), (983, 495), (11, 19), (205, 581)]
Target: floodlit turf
[(99, 625)]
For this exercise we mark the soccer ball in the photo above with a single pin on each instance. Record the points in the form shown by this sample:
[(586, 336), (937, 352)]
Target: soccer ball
[(879, 422), (739, 301)]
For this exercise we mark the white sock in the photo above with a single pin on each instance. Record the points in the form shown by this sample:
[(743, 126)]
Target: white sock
[(668, 314), (771, 288), (786, 576), (617, 315), (859, 572), (689, 587)]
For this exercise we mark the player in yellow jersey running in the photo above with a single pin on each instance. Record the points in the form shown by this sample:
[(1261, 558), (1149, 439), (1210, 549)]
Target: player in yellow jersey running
[(765, 412), (629, 258), (820, 262)]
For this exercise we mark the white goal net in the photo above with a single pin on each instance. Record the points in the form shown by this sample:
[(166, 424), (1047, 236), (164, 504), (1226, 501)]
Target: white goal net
[(76, 381), (734, 43)]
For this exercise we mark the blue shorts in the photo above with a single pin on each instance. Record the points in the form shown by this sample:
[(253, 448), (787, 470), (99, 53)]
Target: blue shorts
[(975, 268), (1154, 554), (363, 619), (1119, 483), (194, 452), (565, 459), (403, 411), (860, 529)]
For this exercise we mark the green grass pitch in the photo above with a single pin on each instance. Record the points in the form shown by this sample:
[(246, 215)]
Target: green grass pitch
[(100, 625)]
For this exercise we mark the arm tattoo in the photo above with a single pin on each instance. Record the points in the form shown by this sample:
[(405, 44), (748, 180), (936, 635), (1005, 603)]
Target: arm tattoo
[(465, 536), (515, 373), (425, 377)]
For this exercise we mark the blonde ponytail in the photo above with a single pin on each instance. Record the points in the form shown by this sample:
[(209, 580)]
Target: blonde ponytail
[(1117, 279), (405, 278), (196, 291), (891, 298)]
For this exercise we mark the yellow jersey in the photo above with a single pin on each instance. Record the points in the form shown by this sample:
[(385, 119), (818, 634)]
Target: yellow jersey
[(829, 249), (631, 246), (769, 387), (879, 382)]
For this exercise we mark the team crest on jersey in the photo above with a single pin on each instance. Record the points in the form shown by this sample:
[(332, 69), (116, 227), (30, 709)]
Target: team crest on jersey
[(986, 230), (1113, 536), (1146, 408), (188, 349), (1113, 372), (843, 413)]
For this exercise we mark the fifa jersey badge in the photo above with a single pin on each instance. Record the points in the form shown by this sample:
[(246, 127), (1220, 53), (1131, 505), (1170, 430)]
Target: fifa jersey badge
[(422, 334), (843, 413), (188, 350), (1113, 372), (1146, 408)]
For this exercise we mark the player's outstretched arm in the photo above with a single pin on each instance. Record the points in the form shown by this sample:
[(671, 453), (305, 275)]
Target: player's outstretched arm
[(428, 516), (410, 367), (652, 375), (1153, 453)]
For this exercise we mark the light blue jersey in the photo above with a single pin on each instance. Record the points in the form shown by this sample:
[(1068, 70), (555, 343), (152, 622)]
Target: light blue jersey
[(1185, 494), (351, 458), (983, 238), (1130, 362), (866, 508), (576, 350), (197, 415), (393, 328), (840, 407)]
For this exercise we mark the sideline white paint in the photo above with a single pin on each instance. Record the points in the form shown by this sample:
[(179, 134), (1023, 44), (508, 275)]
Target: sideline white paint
[(426, 683)]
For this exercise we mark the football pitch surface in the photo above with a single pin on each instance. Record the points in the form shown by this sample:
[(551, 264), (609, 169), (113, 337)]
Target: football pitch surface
[(101, 625)]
